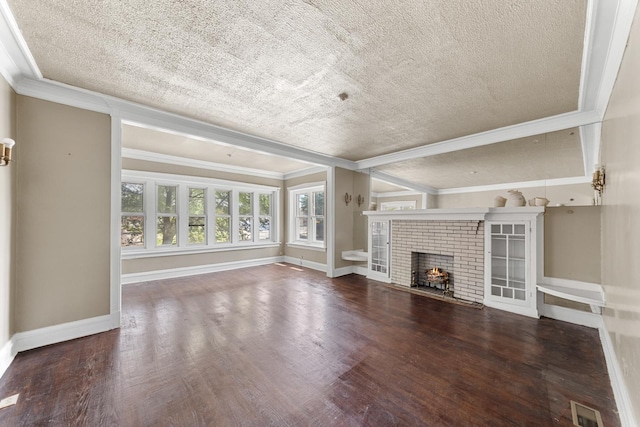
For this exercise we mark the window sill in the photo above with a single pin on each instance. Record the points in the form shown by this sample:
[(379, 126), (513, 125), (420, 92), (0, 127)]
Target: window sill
[(162, 252), (310, 247)]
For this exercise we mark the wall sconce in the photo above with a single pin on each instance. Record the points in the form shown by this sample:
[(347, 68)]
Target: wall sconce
[(598, 179), (360, 200), (347, 198), (5, 152)]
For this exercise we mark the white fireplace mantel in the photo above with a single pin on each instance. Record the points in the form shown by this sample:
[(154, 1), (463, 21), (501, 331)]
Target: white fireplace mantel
[(459, 214)]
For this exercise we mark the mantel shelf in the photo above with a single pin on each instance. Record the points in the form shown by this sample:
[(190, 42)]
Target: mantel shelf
[(460, 214)]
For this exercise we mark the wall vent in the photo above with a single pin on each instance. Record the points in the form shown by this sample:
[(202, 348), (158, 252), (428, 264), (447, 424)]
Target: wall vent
[(583, 416)]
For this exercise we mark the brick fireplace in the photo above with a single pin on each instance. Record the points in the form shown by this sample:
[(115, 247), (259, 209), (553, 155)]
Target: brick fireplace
[(461, 239)]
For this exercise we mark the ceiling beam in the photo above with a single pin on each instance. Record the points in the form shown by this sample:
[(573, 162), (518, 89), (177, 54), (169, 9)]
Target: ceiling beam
[(535, 127), (402, 182)]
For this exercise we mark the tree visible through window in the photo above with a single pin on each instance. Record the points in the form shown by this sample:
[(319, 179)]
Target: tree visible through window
[(307, 215), (223, 217), (197, 216), (167, 215), (132, 220)]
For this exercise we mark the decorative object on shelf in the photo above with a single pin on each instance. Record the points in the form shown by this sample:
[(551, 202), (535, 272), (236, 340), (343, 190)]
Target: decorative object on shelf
[(515, 198), (541, 201), (499, 202), (360, 200), (373, 206), (598, 179), (532, 202), (5, 152), (347, 198)]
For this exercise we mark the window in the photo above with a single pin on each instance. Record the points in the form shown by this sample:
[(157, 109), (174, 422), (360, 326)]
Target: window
[(245, 209), (169, 213), (132, 221), (307, 215), (223, 217), (197, 216), (264, 217)]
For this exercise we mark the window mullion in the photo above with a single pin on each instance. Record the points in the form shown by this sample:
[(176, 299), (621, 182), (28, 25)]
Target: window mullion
[(150, 192), (255, 221), (235, 216), (183, 215), (210, 220)]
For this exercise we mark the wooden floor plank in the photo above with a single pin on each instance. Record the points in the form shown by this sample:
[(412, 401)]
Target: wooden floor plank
[(275, 346)]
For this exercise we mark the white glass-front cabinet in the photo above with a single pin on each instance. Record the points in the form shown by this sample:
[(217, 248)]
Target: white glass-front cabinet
[(512, 263), (379, 250)]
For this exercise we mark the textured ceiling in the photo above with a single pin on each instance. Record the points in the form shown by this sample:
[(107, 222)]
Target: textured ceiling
[(177, 145), (416, 71), (547, 156)]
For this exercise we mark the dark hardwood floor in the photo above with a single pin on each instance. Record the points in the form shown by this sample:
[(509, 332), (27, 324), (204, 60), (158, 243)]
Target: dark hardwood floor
[(280, 346)]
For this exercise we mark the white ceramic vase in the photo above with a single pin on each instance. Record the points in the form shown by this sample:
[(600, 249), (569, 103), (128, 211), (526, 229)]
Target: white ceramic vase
[(515, 199)]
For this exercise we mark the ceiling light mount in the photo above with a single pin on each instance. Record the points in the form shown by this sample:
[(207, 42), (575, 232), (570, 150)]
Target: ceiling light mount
[(343, 96)]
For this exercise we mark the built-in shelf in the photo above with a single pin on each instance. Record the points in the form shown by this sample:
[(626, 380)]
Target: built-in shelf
[(355, 255), (585, 296)]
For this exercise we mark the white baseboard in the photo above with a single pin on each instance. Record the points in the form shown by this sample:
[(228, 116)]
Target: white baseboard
[(305, 263), (351, 269), (7, 353), (620, 391), (570, 315), (361, 270), (200, 269), (64, 332)]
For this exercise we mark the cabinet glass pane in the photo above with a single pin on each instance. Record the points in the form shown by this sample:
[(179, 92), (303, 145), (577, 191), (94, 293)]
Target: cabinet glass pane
[(516, 247), (498, 246), (495, 229), (496, 291), (507, 293), (498, 282), (518, 229), (516, 284), (517, 270), (498, 268), (507, 228), (519, 295)]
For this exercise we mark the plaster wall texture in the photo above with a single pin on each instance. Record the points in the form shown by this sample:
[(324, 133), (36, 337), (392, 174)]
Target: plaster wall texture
[(7, 215), (63, 214), (620, 154)]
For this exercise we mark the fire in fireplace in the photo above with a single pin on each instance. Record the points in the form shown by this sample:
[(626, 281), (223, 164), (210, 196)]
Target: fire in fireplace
[(432, 273)]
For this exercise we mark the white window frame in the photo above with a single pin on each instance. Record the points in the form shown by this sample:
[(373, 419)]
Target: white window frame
[(309, 189), (151, 181), (143, 213)]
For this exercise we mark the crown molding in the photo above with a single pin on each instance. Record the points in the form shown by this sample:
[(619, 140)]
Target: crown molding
[(606, 32), (524, 184), (608, 28), (18, 60), (151, 117), (149, 156)]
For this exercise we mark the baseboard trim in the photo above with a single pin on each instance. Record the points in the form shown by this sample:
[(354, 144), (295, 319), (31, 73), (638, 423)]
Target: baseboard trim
[(64, 332), (362, 271), (304, 263), (172, 273), (620, 391), (570, 315), (7, 354)]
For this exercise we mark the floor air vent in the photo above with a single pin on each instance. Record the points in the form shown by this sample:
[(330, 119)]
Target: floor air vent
[(584, 416)]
